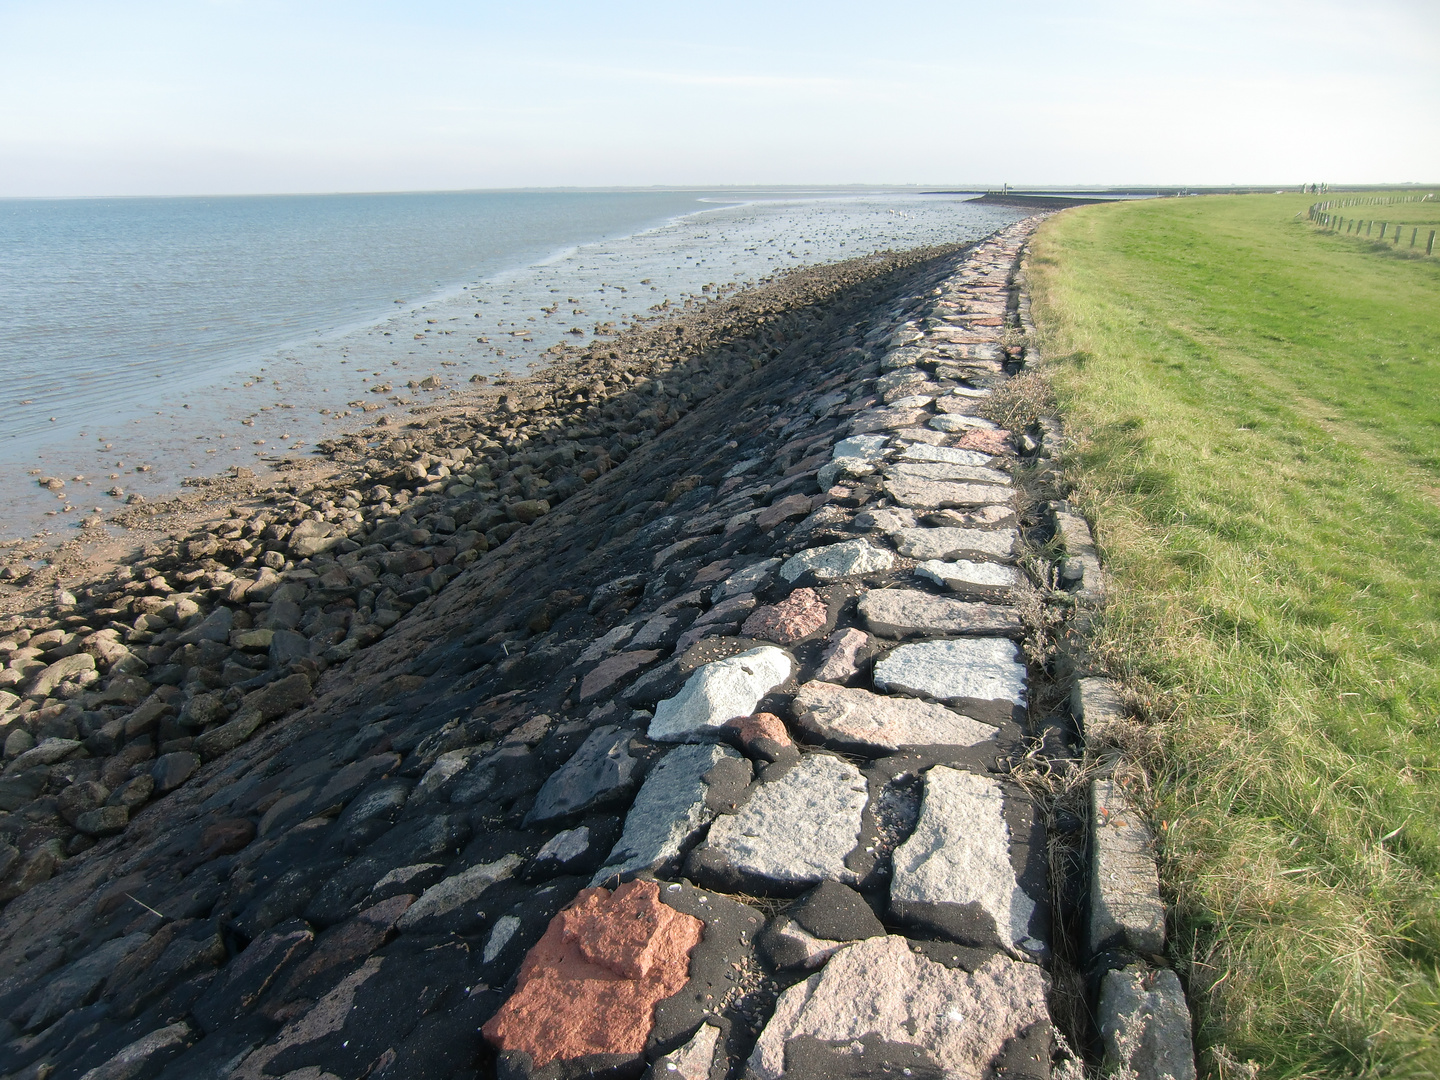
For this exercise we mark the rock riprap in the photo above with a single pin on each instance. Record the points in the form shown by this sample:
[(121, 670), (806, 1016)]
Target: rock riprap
[(462, 759)]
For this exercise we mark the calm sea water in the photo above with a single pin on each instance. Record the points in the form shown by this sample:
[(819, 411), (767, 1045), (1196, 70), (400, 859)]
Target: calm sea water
[(189, 335)]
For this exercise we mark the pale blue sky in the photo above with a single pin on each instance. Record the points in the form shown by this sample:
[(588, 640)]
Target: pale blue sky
[(210, 96)]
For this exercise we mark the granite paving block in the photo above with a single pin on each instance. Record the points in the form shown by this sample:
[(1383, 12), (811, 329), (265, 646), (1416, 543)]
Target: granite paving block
[(947, 470), (857, 718), (955, 873), (672, 806), (880, 1002), (998, 545), (850, 558), (792, 831), (1145, 1025), (919, 493), (948, 454), (977, 669), (718, 692), (896, 613), (1125, 906), (973, 580)]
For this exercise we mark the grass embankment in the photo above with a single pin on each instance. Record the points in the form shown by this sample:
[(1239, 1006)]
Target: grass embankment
[(1258, 407)]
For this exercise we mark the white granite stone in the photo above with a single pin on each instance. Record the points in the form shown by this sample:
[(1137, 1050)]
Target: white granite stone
[(952, 455), (850, 558), (745, 580), (856, 717), (998, 545), (959, 854), (798, 829), (976, 580), (947, 470), (718, 692), (898, 613), (956, 1021), (951, 422), (668, 810), (919, 493), (980, 669)]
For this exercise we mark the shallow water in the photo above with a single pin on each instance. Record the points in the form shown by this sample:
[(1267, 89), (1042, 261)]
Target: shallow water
[(191, 335)]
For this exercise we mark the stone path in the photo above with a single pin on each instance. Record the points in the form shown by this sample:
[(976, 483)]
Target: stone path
[(702, 776)]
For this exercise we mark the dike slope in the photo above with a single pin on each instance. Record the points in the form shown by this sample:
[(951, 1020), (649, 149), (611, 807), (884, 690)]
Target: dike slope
[(630, 738)]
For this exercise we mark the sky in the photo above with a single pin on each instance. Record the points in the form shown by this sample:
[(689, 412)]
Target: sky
[(249, 96)]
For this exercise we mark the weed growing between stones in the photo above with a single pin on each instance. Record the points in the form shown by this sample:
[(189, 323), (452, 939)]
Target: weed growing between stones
[(1020, 402)]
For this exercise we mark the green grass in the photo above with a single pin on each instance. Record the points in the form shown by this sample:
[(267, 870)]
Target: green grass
[(1257, 410)]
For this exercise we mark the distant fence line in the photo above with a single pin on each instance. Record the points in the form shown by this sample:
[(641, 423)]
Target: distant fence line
[(1321, 213)]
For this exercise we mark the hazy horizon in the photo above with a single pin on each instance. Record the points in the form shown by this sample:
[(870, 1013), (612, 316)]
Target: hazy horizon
[(232, 97)]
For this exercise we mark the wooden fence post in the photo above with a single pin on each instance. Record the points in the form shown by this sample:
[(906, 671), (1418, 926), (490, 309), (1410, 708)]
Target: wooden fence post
[(1430, 244)]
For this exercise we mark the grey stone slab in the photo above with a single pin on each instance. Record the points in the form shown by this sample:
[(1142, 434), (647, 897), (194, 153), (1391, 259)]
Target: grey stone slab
[(995, 545), (850, 558), (1080, 571), (897, 613), (601, 770), (885, 519), (1125, 906), (1095, 703), (973, 580), (878, 1008), (968, 669), (144, 1055), (792, 831), (953, 422), (849, 468), (73, 986), (693, 1061), (921, 494), (857, 718), (955, 870), (746, 580), (947, 470), (885, 419), (671, 807), (899, 379), (607, 643), (1145, 1025), (718, 692), (922, 435), (903, 357), (458, 890), (949, 454)]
